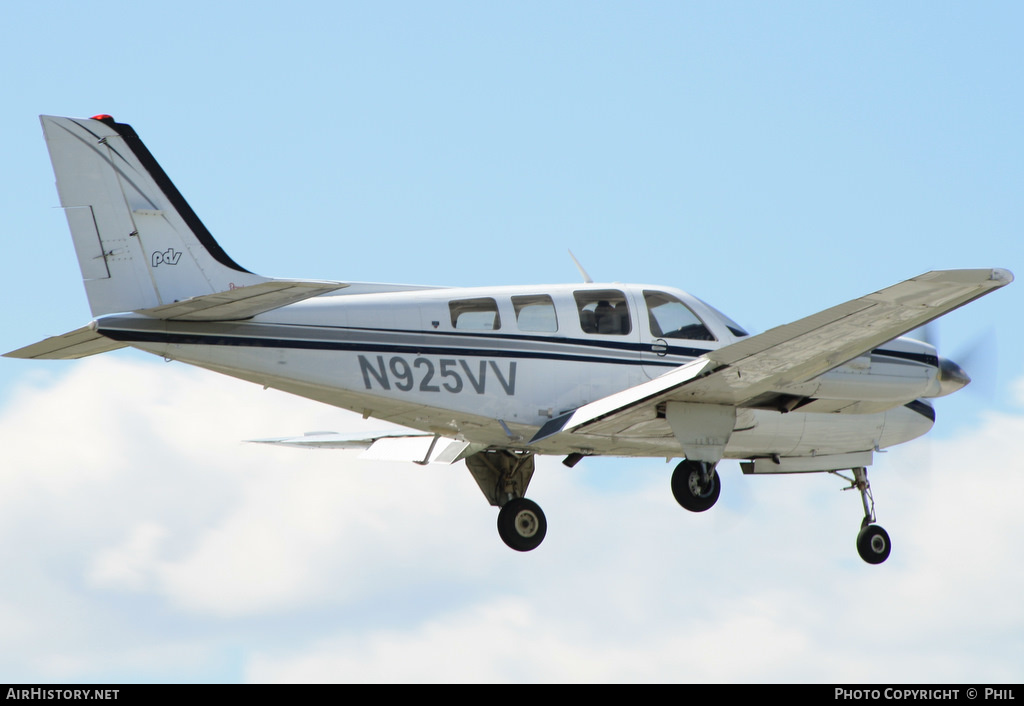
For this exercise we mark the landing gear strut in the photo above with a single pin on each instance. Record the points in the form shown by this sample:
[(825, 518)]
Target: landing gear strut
[(873, 543), (695, 485)]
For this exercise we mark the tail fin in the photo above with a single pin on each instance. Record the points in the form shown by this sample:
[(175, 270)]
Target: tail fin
[(140, 246)]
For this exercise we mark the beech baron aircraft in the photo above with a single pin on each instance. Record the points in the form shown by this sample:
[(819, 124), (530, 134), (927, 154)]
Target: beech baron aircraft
[(496, 375)]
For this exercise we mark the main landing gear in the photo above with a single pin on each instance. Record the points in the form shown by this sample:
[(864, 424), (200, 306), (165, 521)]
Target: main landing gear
[(695, 485), (873, 543), (503, 476)]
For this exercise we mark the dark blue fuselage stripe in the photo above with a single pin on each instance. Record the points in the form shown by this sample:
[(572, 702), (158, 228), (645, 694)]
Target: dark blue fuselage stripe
[(925, 358), (478, 335), (129, 336), (194, 339)]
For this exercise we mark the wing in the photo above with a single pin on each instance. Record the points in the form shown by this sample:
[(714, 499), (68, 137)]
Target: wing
[(738, 374)]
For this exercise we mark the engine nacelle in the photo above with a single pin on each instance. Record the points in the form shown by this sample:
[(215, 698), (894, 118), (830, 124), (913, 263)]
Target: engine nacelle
[(902, 370)]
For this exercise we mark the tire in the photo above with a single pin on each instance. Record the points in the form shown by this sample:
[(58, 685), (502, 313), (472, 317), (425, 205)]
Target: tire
[(873, 544), (521, 524), (687, 488)]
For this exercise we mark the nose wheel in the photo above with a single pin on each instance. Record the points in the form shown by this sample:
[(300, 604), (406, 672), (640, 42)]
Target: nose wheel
[(873, 543)]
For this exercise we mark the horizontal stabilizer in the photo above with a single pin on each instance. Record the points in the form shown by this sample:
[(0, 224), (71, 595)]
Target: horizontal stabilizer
[(242, 302), (336, 440), (419, 447), (75, 344)]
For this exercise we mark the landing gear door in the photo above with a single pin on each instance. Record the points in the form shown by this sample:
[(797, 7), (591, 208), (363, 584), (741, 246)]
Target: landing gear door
[(671, 334)]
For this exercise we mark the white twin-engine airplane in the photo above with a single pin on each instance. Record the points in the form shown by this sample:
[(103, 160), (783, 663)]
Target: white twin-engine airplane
[(496, 375)]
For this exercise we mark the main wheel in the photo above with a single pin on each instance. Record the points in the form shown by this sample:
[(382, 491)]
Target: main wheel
[(873, 544), (521, 524), (691, 490)]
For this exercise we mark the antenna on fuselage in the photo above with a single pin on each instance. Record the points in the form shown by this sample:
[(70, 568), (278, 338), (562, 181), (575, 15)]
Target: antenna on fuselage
[(586, 277)]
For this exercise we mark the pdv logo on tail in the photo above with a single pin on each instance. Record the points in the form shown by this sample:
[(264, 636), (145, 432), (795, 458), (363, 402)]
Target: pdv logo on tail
[(168, 257)]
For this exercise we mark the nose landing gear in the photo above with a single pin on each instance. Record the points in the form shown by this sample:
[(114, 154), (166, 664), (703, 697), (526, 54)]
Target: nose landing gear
[(873, 542)]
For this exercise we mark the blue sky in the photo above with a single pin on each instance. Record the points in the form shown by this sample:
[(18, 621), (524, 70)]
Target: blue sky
[(773, 159)]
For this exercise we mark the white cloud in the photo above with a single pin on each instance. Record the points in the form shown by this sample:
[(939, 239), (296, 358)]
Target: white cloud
[(142, 540), (127, 565), (507, 640)]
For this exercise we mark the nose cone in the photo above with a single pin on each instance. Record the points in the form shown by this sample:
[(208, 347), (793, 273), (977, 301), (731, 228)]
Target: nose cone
[(951, 377)]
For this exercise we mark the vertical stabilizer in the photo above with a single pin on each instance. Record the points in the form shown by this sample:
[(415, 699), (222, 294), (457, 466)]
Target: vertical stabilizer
[(139, 244)]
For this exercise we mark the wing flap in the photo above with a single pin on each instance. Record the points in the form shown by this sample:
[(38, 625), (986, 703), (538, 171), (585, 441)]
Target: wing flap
[(610, 409)]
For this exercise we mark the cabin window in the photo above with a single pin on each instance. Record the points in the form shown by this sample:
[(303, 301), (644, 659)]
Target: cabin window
[(603, 311), (535, 313), (475, 314), (670, 318)]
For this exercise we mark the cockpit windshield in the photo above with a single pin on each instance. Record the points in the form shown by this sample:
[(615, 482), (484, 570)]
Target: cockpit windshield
[(670, 318), (734, 328)]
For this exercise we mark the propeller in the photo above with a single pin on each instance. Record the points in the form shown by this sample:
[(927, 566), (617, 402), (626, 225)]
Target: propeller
[(979, 356), (975, 361)]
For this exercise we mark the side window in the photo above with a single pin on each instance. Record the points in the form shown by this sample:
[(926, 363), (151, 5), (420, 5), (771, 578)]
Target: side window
[(603, 311), (475, 314), (535, 313), (670, 318)]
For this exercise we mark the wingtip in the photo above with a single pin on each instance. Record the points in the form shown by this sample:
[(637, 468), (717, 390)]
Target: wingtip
[(1003, 277)]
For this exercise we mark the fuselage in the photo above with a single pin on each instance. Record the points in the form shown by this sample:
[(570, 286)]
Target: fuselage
[(492, 365)]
